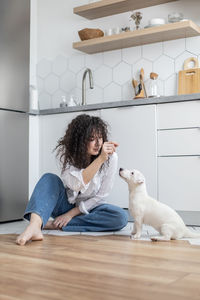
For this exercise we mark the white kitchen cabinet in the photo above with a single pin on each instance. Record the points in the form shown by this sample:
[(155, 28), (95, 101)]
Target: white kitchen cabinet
[(52, 128), (134, 128), (178, 182), (178, 115), (179, 158), (179, 142)]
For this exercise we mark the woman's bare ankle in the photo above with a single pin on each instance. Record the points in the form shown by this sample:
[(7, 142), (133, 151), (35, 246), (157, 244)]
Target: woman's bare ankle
[(32, 232), (36, 219)]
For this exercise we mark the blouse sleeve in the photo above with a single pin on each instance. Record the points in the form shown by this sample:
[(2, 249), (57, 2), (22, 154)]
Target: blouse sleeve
[(105, 188), (73, 179)]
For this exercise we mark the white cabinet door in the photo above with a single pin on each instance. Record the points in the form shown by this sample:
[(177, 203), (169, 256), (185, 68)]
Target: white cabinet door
[(178, 182), (179, 142), (178, 115), (179, 155), (134, 128), (52, 128)]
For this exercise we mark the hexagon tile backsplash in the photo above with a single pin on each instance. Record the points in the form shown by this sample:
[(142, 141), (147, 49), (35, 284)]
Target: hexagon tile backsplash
[(113, 72)]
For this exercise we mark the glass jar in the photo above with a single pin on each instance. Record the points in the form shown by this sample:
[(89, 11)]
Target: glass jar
[(175, 17), (153, 88)]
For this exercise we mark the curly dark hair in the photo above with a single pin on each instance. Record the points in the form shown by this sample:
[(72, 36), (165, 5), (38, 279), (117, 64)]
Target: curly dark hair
[(72, 147)]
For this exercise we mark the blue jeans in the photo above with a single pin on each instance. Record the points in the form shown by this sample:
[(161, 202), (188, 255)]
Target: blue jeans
[(49, 199)]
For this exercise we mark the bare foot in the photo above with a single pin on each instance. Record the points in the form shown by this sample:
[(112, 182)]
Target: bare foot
[(50, 225), (31, 233)]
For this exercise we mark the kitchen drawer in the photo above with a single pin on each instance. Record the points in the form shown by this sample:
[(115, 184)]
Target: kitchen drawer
[(178, 182), (179, 142), (178, 115)]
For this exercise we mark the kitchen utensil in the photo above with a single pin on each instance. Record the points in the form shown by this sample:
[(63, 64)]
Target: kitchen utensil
[(142, 81), (134, 83), (189, 78), (139, 92), (137, 87)]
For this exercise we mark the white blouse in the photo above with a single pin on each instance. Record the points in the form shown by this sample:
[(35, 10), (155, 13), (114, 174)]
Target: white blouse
[(88, 196)]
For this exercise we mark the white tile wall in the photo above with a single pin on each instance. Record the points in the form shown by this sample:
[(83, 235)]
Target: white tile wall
[(112, 71)]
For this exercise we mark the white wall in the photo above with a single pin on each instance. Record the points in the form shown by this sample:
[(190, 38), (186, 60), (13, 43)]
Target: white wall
[(34, 171), (60, 68)]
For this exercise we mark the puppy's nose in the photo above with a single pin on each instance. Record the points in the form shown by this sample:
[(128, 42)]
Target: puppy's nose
[(120, 169)]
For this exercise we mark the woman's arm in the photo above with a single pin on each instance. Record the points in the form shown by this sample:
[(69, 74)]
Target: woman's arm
[(105, 188), (89, 172), (78, 180)]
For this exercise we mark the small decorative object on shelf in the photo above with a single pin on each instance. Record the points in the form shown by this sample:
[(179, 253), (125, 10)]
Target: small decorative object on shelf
[(175, 17), (125, 29), (137, 17), (90, 33)]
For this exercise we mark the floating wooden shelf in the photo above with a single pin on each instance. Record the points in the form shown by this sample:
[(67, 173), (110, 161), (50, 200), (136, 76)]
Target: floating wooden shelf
[(162, 33), (106, 8)]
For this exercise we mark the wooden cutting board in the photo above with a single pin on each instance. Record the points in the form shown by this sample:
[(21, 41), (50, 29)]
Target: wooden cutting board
[(189, 79)]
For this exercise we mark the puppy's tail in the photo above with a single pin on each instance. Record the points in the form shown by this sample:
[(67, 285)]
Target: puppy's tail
[(191, 234)]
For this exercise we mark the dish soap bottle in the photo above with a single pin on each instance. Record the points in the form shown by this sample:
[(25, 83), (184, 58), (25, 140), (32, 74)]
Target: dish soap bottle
[(72, 101), (63, 103)]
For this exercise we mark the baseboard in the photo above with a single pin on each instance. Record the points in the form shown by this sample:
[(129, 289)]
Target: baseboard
[(191, 218)]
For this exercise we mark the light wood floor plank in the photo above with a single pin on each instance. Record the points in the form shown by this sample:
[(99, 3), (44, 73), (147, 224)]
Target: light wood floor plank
[(106, 267)]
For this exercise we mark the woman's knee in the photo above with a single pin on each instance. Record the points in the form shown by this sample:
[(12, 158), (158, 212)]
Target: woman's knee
[(117, 217), (50, 177), (121, 218)]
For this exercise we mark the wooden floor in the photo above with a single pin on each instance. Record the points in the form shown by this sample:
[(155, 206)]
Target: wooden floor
[(108, 267)]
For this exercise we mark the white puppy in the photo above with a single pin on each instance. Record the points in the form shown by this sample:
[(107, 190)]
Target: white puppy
[(146, 210)]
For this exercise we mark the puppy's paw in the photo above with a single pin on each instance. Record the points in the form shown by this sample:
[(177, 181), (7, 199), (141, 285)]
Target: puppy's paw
[(135, 236), (154, 239)]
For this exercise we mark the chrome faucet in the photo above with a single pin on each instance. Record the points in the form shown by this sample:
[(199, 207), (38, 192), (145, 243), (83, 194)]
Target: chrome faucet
[(84, 84)]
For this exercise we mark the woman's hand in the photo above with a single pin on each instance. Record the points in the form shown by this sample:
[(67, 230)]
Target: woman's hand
[(62, 220), (107, 149)]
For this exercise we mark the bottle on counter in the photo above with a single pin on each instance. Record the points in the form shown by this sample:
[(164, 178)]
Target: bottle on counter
[(63, 102), (72, 101), (33, 98), (153, 86)]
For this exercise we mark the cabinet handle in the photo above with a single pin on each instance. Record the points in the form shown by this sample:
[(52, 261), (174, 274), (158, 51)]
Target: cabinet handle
[(184, 155), (181, 128)]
